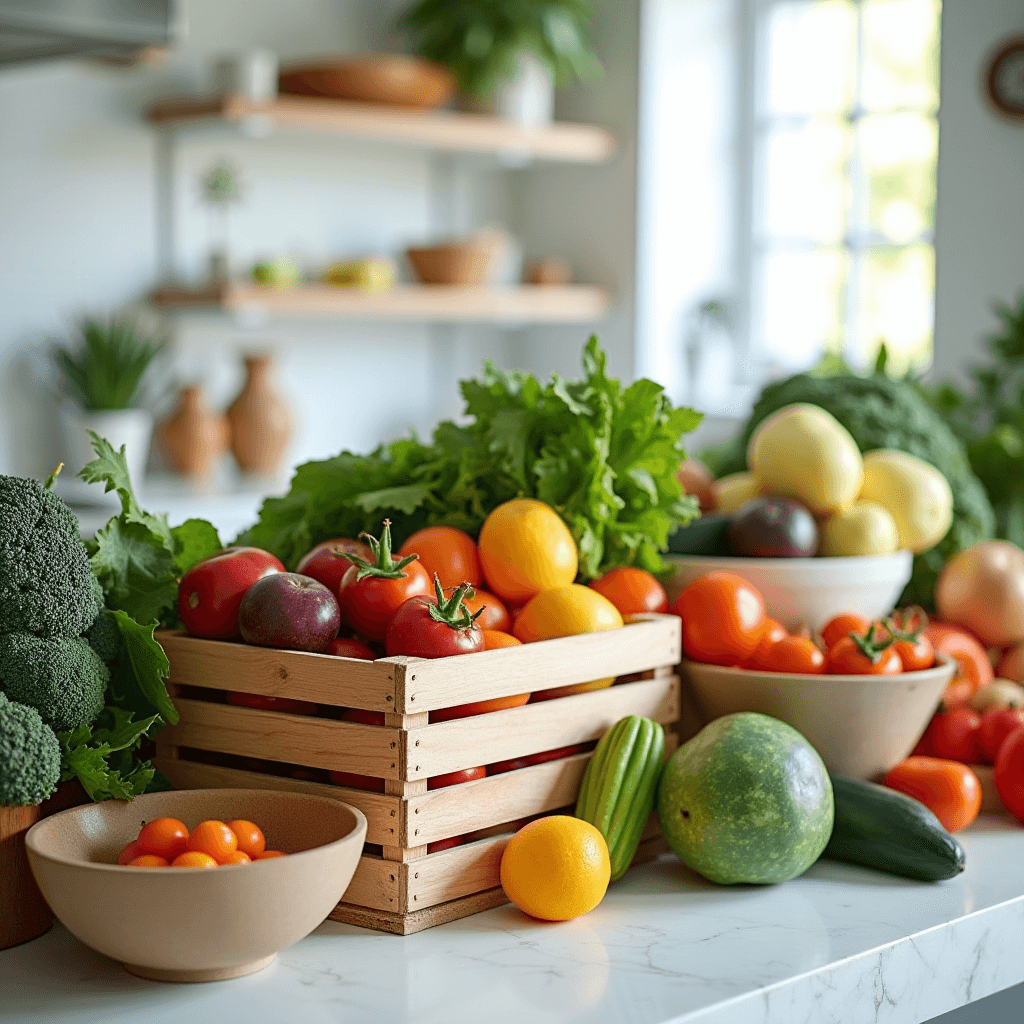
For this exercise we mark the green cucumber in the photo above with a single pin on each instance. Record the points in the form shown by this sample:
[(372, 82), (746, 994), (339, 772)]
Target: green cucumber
[(883, 829), (620, 785)]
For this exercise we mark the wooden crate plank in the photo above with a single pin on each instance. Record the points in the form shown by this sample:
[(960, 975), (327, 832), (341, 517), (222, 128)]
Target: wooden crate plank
[(484, 739), (316, 742), (383, 813), (417, 921), (378, 884), (650, 642), (347, 682), (450, 874)]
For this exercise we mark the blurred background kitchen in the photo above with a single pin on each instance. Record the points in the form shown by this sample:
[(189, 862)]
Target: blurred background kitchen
[(201, 260)]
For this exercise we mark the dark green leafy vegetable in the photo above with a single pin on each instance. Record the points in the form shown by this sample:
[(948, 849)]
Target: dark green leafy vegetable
[(142, 667), (603, 455)]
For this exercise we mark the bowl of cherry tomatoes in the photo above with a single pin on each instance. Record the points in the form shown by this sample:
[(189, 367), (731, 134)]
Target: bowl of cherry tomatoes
[(160, 913), (861, 692)]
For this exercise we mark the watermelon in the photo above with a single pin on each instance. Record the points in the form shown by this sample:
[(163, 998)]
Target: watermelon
[(748, 799)]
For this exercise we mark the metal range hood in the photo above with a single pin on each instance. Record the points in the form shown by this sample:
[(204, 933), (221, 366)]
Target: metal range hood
[(33, 30)]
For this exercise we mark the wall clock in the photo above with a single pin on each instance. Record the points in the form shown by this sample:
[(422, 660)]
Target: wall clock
[(1005, 82)]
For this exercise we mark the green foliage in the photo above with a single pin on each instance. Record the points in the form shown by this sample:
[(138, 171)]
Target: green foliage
[(29, 755), (105, 371), (45, 583), (478, 41), (603, 455), (138, 681), (63, 678)]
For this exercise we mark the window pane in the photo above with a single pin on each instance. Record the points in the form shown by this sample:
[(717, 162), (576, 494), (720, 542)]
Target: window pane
[(805, 175), (898, 153), (811, 57), (901, 54)]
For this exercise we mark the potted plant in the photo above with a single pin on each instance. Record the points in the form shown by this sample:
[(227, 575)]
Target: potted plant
[(102, 379), (513, 52)]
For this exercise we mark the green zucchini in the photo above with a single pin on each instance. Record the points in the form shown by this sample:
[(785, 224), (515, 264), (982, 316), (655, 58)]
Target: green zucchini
[(620, 784), (883, 829)]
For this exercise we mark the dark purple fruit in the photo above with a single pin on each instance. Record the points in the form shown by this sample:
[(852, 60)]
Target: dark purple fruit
[(290, 611), (772, 528)]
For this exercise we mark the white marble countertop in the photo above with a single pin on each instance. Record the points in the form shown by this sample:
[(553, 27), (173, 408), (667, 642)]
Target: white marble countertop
[(840, 944)]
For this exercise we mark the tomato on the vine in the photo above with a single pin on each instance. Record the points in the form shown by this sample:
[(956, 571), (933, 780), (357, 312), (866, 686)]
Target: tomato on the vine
[(447, 553), (633, 591), (909, 640), (434, 627), (371, 592), (795, 655), (723, 618), (495, 615), (211, 592), (974, 669), (866, 655), (328, 562), (842, 626)]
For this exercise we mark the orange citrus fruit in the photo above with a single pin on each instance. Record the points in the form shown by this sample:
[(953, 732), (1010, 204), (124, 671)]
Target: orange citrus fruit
[(556, 868), (525, 547)]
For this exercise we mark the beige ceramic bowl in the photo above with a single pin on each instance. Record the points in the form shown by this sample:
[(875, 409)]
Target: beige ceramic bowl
[(860, 725), (189, 924)]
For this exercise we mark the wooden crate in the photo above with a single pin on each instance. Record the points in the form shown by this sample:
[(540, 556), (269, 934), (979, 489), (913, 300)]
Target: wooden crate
[(399, 886)]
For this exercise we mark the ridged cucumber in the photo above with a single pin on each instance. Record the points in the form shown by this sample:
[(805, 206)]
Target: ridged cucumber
[(883, 829), (620, 785)]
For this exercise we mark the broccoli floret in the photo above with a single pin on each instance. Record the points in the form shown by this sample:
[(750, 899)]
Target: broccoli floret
[(63, 678), (46, 584), (104, 638), (29, 755)]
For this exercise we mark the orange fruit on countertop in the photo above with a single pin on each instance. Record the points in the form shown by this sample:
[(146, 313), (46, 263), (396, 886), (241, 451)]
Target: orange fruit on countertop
[(251, 840), (193, 859), (556, 868), (525, 547), (213, 838)]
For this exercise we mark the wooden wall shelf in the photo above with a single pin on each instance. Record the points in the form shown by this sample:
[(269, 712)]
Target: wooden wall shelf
[(525, 304), (433, 129)]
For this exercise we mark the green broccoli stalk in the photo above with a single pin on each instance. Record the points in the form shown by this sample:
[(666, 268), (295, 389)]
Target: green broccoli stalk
[(63, 678), (46, 584), (29, 755)]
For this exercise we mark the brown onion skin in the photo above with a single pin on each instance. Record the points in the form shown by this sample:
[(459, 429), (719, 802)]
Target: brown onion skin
[(982, 589)]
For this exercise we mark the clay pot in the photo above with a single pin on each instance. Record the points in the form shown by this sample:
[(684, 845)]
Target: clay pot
[(261, 423), (195, 436)]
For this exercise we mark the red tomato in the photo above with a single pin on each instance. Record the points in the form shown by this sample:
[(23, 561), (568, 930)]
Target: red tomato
[(264, 703), (1009, 773), (954, 735), (342, 647), (455, 778), (163, 837), (996, 725), (370, 596), (500, 767), (447, 553), (445, 844), (773, 633), (842, 626), (211, 591), (974, 668), (495, 616), (723, 618), (363, 717), (795, 655), (950, 790), (329, 561), (354, 781), (433, 627), (923, 747), (632, 591), (129, 853), (863, 656)]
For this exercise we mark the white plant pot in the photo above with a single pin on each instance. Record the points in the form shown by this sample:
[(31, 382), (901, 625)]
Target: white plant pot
[(132, 428), (528, 96)]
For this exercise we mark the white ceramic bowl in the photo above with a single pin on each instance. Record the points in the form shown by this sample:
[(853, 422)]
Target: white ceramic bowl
[(809, 591), (860, 725)]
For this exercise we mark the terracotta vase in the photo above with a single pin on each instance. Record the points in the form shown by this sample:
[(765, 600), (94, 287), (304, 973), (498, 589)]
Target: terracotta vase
[(195, 436), (261, 423)]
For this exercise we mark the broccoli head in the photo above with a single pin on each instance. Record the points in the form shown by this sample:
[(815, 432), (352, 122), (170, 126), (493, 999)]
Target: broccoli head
[(46, 583), (29, 755), (63, 678), (104, 638)]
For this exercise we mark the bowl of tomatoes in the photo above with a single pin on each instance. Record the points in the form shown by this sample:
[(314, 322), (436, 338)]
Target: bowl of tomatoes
[(160, 913)]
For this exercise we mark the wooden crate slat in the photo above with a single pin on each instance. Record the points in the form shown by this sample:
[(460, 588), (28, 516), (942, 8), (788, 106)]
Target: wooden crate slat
[(347, 682), (317, 742), (419, 920), (532, 728), (461, 871), (378, 884)]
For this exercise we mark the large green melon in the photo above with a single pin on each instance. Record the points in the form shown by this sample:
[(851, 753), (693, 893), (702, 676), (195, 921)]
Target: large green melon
[(748, 799)]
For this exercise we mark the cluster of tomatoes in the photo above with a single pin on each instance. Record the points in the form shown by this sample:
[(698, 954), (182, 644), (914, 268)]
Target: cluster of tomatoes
[(166, 842)]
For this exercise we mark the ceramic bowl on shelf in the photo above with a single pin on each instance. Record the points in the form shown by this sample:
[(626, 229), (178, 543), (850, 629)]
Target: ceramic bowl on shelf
[(467, 262), (860, 725), (808, 591), (189, 924)]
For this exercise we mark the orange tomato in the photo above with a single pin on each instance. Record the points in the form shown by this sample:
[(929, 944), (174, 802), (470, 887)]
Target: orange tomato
[(238, 857), (974, 669), (494, 638), (213, 838), (495, 616), (269, 854), (250, 839), (163, 837), (480, 707), (633, 591), (843, 625), (723, 619), (950, 790), (193, 859), (848, 658), (795, 655), (148, 860), (129, 853), (448, 553), (773, 633)]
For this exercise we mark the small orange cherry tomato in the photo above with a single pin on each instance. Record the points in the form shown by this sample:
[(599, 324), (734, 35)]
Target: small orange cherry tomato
[(495, 614), (269, 854), (251, 840), (795, 655), (446, 552), (842, 626), (773, 633), (633, 591), (916, 652), (148, 860), (193, 859), (866, 655), (163, 837), (950, 790), (129, 853), (494, 638), (238, 857), (213, 838)]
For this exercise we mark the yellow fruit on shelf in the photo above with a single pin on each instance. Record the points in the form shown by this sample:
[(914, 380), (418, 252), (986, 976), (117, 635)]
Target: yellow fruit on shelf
[(865, 528), (556, 868)]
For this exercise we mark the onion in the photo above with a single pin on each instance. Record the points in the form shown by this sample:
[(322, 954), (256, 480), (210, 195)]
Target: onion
[(697, 480), (982, 589)]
